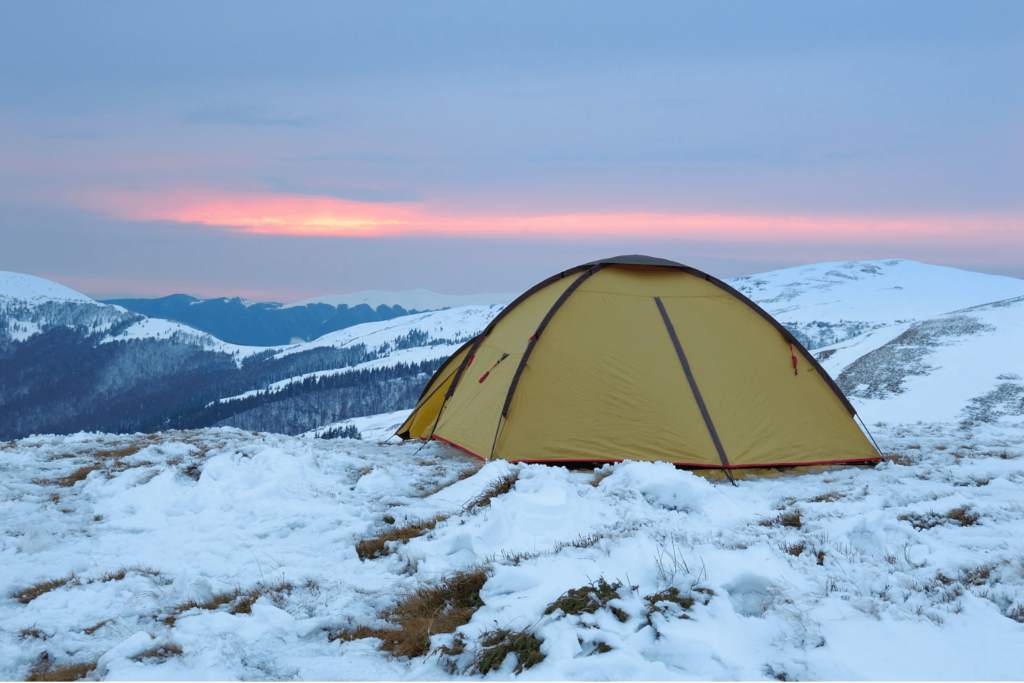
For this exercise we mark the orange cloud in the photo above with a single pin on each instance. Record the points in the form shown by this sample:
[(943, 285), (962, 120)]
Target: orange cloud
[(303, 215)]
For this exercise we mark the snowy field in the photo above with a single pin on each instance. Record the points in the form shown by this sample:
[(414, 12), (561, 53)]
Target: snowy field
[(221, 554)]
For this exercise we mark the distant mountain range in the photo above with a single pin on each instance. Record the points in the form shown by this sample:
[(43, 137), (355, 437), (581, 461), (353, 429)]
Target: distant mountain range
[(904, 340), (239, 321)]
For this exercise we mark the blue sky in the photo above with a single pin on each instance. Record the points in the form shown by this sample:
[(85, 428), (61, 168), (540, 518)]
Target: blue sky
[(284, 150)]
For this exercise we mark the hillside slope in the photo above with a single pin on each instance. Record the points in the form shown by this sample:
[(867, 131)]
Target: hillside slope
[(272, 324), (68, 363)]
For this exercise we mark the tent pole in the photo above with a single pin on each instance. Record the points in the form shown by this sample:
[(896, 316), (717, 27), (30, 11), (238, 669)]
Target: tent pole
[(869, 433), (436, 420), (495, 443)]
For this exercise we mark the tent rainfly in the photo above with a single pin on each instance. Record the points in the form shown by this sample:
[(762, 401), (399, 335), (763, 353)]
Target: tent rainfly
[(638, 358)]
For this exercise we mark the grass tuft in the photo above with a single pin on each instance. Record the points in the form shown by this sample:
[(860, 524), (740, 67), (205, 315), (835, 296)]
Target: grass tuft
[(900, 459), (239, 601), (370, 548), (496, 488), (66, 672), (600, 476), (78, 475), (589, 599), (498, 644), (89, 630), (437, 607), (465, 474), (160, 653), (29, 594), (787, 519), (794, 549), (119, 574), (961, 516), (829, 497)]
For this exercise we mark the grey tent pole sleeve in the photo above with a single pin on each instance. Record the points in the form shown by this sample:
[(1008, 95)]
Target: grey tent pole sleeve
[(693, 383)]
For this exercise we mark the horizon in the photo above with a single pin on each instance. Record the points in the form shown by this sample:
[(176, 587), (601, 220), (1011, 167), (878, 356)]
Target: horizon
[(105, 297), (292, 151)]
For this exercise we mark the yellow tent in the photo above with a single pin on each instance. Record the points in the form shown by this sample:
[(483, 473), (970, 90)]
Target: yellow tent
[(638, 358)]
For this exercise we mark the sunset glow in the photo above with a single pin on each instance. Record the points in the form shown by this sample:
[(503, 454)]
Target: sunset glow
[(281, 214)]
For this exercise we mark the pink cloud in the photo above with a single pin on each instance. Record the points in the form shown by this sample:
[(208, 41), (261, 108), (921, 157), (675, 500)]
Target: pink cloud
[(284, 214)]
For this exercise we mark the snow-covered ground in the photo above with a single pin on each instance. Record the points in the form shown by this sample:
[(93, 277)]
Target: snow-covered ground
[(874, 583), (911, 570)]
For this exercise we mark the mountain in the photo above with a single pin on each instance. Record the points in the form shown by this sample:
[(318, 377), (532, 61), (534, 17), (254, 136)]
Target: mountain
[(826, 303), (414, 299), (906, 341), (227, 554), (881, 329), (69, 363), (271, 324)]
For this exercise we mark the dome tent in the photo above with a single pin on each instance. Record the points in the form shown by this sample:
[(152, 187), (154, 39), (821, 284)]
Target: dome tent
[(641, 358)]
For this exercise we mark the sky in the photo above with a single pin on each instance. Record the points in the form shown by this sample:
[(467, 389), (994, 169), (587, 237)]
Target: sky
[(280, 151)]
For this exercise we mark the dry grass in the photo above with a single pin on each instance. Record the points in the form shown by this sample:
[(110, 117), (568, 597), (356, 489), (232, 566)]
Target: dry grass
[(589, 599), (515, 557), (370, 548), (119, 574), (78, 475), (961, 516), (498, 644), (829, 497), (1017, 614), (496, 488), (160, 653), (66, 672), (670, 595), (118, 453), (437, 607), (900, 459), (31, 632), (600, 476), (95, 627), (465, 474), (789, 519), (239, 601), (794, 549), (29, 594)]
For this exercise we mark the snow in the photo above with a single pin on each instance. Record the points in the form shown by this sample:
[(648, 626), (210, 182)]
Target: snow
[(910, 570), (949, 368), (414, 355), (161, 329), (454, 324), (415, 299), (886, 601), (876, 291), (36, 289)]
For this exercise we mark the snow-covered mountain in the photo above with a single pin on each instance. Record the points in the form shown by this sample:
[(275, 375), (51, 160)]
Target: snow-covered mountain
[(414, 299), (419, 338), (228, 554), (826, 303), (906, 341), (262, 324), (881, 328), (30, 305), (118, 370)]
